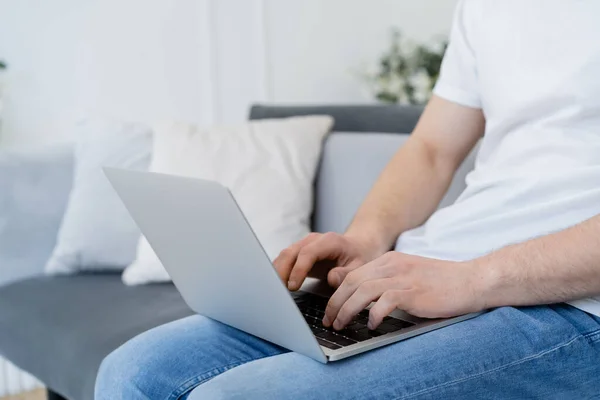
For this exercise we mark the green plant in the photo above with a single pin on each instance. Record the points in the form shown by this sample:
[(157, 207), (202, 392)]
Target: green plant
[(406, 72), (2, 65)]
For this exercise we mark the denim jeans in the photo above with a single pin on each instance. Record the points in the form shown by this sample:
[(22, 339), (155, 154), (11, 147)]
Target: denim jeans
[(549, 352)]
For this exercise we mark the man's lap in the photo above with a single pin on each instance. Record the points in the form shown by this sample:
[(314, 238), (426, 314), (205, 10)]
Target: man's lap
[(508, 352)]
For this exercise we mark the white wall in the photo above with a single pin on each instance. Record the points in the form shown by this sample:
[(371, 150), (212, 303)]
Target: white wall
[(317, 47), (195, 60)]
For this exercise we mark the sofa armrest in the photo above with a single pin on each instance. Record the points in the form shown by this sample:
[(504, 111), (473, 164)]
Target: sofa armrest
[(34, 188)]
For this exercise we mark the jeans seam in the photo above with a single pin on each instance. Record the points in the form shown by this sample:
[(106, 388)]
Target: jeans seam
[(207, 375), (593, 336), (499, 368)]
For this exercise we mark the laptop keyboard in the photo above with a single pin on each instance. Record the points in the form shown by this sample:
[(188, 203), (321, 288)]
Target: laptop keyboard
[(313, 307)]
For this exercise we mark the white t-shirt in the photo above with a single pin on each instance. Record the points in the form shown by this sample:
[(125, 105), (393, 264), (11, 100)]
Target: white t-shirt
[(533, 67)]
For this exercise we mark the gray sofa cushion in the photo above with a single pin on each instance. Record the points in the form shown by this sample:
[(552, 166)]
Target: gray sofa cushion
[(61, 328)]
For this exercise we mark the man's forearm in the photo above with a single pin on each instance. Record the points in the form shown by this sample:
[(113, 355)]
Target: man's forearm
[(559, 267), (404, 196), (414, 182)]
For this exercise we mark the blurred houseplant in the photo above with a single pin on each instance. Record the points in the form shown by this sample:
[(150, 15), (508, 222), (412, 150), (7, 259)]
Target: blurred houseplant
[(406, 73)]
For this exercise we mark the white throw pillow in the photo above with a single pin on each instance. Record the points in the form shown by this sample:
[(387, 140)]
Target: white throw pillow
[(269, 166), (97, 232)]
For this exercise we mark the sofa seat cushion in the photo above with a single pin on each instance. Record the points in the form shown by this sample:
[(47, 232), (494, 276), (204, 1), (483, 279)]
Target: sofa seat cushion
[(61, 328)]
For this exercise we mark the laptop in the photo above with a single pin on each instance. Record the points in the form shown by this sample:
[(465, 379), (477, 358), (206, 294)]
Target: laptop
[(218, 265)]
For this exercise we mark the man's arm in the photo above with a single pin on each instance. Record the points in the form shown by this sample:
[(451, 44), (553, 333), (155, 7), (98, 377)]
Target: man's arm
[(405, 195), (550, 269), (414, 182), (559, 267)]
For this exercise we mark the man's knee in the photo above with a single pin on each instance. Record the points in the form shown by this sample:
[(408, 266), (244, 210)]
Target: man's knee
[(126, 373), (161, 363)]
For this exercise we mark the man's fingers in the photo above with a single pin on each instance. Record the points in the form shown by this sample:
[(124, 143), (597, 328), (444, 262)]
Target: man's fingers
[(287, 258), (388, 302), (376, 269), (366, 293), (284, 259), (327, 247)]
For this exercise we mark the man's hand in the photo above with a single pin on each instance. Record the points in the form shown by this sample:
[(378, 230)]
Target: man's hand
[(344, 252), (420, 286)]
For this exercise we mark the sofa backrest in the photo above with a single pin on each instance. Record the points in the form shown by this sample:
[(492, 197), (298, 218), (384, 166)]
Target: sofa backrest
[(364, 139), (350, 165)]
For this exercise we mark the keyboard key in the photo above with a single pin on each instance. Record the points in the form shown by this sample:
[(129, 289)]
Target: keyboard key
[(312, 320), (401, 323), (316, 329), (342, 341), (335, 338), (356, 335), (372, 334), (387, 327), (318, 302), (343, 332), (363, 317), (356, 326), (327, 344), (326, 334), (375, 333), (315, 313)]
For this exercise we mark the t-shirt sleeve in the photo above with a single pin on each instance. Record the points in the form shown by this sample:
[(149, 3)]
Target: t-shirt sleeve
[(458, 81)]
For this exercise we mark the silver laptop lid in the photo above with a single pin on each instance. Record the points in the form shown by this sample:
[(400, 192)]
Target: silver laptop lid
[(213, 257)]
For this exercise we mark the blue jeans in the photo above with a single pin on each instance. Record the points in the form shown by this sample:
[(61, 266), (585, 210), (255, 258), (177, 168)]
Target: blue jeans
[(550, 352)]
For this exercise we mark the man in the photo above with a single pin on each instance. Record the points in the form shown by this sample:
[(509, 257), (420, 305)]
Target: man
[(524, 75)]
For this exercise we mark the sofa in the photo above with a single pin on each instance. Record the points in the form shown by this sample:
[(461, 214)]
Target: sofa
[(59, 329)]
